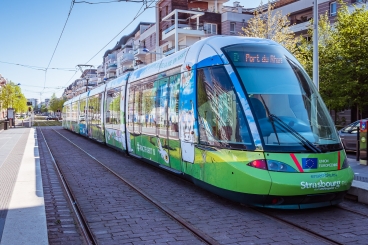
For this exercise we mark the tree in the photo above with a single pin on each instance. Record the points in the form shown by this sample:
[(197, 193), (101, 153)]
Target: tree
[(343, 56), (272, 25), (56, 103), (11, 96), (352, 35), (53, 103), (328, 53)]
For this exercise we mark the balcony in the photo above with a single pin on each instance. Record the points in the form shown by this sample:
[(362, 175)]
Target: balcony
[(127, 68), (300, 27), (172, 50), (126, 58), (183, 30), (139, 51), (111, 67)]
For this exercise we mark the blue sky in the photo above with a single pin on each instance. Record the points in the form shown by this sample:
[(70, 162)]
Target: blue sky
[(30, 30)]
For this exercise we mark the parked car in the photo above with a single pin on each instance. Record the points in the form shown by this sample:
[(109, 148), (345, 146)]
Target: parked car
[(348, 135), (52, 118)]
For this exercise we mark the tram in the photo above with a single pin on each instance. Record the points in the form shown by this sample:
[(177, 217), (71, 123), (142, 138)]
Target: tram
[(238, 116)]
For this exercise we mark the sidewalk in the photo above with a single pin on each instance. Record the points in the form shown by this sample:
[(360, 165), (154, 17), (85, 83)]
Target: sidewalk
[(22, 209)]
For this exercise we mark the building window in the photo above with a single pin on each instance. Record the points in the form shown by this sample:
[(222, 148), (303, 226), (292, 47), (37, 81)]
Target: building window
[(210, 28), (232, 28), (333, 9)]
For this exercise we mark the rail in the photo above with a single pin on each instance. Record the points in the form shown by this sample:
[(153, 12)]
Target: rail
[(201, 235)]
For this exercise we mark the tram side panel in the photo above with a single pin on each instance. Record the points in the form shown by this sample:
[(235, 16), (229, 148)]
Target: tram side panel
[(152, 120)]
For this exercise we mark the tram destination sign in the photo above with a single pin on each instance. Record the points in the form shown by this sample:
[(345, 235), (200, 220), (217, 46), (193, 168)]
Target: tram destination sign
[(257, 58)]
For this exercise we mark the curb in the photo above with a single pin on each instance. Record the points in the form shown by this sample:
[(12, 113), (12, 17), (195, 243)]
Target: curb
[(359, 190)]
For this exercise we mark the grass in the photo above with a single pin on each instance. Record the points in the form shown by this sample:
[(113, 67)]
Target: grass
[(46, 123)]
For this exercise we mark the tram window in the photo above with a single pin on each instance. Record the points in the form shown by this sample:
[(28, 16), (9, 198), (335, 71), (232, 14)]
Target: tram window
[(148, 108), (109, 113), (82, 111), (161, 106), (221, 118), (116, 108), (113, 108), (173, 108), (74, 111), (137, 110), (131, 109)]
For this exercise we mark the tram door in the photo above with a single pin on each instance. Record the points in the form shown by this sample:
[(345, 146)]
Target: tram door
[(162, 123)]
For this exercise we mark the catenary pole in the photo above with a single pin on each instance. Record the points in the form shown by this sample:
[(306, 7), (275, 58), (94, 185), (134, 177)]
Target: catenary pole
[(315, 45)]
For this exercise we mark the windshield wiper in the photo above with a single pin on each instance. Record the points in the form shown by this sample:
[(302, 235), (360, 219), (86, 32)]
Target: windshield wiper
[(271, 119), (306, 143)]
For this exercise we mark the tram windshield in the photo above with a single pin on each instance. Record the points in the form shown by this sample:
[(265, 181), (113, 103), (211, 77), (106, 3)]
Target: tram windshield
[(290, 113)]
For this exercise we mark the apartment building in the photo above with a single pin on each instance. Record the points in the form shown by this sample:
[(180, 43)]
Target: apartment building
[(33, 101)]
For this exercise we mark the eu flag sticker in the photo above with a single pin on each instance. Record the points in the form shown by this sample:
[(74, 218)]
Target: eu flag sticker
[(310, 163)]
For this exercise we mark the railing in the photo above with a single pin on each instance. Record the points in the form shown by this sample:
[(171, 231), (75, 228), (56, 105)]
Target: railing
[(112, 66), (136, 51), (126, 57), (185, 27), (172, 50)]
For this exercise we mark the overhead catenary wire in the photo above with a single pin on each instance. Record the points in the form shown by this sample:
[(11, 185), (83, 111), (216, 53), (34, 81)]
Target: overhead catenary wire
[(38, 67), (57, 44), (117, 1), (135, 17)]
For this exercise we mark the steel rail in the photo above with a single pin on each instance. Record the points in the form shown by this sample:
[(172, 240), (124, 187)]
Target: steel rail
[(306, 230), (86, 232), (352, 211), (198, 233)]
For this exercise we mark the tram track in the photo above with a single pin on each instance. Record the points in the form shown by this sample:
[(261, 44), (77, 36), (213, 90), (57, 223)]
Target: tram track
[(265, 213), (87, 233), (297, 226), (82, 224)]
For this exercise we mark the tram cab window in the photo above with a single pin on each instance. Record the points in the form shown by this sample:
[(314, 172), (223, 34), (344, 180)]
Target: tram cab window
[(221, 118), (292, 110)]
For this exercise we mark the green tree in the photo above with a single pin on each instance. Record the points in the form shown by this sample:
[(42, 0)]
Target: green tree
[(53, 103), (352, 35), (43, 109), (11, 96), (328, 53), (272, 25), (343, 56), (56, 103)]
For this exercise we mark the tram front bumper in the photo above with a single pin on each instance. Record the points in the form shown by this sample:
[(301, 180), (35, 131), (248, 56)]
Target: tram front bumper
[(308, 190)]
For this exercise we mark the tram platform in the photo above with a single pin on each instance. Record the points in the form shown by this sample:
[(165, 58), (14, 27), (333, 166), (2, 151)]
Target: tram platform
[(22, 204), (22, 207)]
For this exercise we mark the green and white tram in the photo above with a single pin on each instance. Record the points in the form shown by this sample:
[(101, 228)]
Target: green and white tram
[(238, 116)]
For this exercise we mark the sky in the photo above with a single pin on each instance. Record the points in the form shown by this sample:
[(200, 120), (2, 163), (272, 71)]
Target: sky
[(31, 39)]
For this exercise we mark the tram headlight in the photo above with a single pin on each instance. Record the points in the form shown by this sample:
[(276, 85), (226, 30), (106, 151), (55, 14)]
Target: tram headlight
[(279, 166), (271, 165), (345, 164)]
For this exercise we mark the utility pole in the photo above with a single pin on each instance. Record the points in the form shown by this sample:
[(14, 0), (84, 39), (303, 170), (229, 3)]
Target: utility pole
[(315, 45)]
